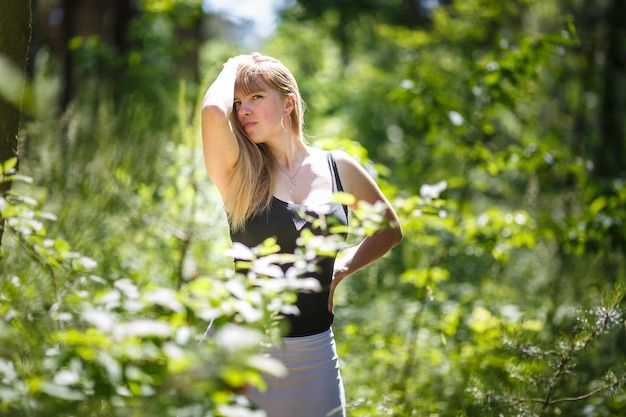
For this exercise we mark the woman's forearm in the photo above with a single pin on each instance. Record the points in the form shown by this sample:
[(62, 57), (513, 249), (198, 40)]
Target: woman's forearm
[(354, 258), (369, 250)]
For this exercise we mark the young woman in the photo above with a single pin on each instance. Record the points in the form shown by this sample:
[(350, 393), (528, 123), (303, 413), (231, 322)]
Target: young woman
[(256, 155)]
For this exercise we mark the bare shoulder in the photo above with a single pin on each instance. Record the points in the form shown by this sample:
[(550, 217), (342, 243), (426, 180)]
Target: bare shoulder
[(354, 178), (345, 162), (358, 182)]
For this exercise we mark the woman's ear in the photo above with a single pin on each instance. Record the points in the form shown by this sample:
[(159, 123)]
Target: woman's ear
[(289, 105)]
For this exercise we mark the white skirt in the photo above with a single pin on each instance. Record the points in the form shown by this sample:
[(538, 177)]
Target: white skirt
[(312, 386)]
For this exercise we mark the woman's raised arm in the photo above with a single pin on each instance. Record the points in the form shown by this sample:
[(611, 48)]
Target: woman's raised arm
[(218, 139)]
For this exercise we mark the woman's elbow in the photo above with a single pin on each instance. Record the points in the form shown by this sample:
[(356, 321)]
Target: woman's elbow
[(396, 235), (391, 236)]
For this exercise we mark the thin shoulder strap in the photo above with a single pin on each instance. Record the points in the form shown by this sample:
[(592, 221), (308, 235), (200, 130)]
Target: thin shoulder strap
[(333, 166), (336, 180)]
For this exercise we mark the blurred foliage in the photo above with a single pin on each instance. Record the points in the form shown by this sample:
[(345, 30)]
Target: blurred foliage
[(480, 122), (75, 343)]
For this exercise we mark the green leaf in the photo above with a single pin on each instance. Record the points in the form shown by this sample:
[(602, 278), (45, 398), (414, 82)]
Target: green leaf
[(61, 391)]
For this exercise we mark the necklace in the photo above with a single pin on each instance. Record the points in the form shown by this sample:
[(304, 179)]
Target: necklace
[(291, 177)]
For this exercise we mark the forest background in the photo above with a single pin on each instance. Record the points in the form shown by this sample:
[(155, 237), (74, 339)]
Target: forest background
[(496, 128)]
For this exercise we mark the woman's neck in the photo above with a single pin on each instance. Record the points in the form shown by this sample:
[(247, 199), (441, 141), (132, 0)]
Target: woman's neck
[(291, 156)]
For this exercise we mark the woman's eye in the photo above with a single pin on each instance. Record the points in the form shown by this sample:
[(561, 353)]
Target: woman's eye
[(236, 104), (257, 96)]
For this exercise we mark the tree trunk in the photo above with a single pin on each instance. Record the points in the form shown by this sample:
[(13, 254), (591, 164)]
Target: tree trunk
[(15, 34), (70, 8), (611, 154)]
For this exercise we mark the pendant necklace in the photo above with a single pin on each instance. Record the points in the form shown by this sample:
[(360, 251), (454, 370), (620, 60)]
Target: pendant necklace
[(291, 177)]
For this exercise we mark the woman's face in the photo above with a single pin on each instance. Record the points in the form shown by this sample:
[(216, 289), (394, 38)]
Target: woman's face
[(260, 113)]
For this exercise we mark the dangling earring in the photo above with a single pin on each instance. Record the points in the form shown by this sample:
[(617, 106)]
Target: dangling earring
[(282, 124)]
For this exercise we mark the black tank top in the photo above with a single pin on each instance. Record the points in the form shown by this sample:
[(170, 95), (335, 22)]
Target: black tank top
[(283, 221)]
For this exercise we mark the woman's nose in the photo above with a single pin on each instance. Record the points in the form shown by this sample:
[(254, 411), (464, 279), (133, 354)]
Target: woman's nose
[(244, 108)]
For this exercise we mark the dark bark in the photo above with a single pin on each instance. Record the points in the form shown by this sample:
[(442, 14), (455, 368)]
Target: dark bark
[(15, 34), (108, 19), (611, 155), (68, 32), (124, 13)]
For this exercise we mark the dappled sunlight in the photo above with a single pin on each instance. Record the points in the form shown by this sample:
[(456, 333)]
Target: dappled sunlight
[(496, 129)]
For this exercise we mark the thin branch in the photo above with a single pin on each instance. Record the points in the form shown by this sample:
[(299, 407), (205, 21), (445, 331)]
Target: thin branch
[(578, 398), (38, 259), (168, 227)]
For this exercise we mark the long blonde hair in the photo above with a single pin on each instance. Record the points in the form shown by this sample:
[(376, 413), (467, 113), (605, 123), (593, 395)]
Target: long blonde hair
[(252, 181)]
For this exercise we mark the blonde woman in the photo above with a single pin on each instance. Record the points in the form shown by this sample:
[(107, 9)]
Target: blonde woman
[(256, 155)]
